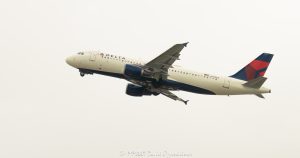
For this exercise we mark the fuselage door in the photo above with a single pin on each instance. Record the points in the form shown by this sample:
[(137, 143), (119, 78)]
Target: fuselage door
[(226, 83), (100, 61)]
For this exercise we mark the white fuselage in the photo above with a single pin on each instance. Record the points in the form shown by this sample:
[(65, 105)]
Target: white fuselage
[(112, 65)]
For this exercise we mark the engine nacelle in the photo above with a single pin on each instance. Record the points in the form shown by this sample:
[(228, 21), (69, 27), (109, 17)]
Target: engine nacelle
[(133, 71), (136, 72), (136, 91)]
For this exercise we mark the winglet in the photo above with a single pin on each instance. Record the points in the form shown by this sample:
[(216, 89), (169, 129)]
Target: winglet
[(185, 44), (185, 102)]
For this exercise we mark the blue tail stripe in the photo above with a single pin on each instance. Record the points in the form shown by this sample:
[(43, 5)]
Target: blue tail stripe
[(265, 57), (240, 75)]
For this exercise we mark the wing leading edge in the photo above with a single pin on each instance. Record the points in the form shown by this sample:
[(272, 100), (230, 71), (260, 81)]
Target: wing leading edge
[(163, 62)]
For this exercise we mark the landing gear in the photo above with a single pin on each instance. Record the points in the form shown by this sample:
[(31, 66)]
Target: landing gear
[(85, 72), (82, 74)]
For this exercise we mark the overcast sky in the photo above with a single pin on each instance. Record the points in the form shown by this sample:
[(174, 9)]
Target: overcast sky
[(47, 110)]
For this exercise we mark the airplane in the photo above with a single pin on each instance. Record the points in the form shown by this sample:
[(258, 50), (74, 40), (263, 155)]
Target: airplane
[(160, 76)]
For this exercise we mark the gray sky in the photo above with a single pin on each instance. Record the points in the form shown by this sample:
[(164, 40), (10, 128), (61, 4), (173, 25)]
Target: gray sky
[(47, 110)]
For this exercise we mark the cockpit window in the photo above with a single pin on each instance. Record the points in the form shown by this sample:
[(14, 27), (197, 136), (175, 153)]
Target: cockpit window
[(80, 53)]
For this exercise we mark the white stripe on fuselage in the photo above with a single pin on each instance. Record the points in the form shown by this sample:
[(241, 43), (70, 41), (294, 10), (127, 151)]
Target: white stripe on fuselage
[(116, 64)]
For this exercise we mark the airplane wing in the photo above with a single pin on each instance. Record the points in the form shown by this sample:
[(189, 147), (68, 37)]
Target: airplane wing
[(163, 62), (172, 96), (164, 91)]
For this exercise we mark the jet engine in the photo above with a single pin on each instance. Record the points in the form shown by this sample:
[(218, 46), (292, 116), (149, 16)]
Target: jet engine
[(136, 72), (136, 91)]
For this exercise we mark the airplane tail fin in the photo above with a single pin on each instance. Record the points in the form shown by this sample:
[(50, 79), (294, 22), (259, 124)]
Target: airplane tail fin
[(254, 69)]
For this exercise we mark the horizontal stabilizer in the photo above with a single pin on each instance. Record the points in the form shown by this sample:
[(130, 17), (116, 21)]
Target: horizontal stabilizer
[(255, 83), (260, 96)]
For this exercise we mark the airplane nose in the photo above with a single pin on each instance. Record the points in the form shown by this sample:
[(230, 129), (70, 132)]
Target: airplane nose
[(70, 60)]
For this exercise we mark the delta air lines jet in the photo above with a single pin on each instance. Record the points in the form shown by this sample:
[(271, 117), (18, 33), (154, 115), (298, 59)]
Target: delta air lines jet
[(160, 76)]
